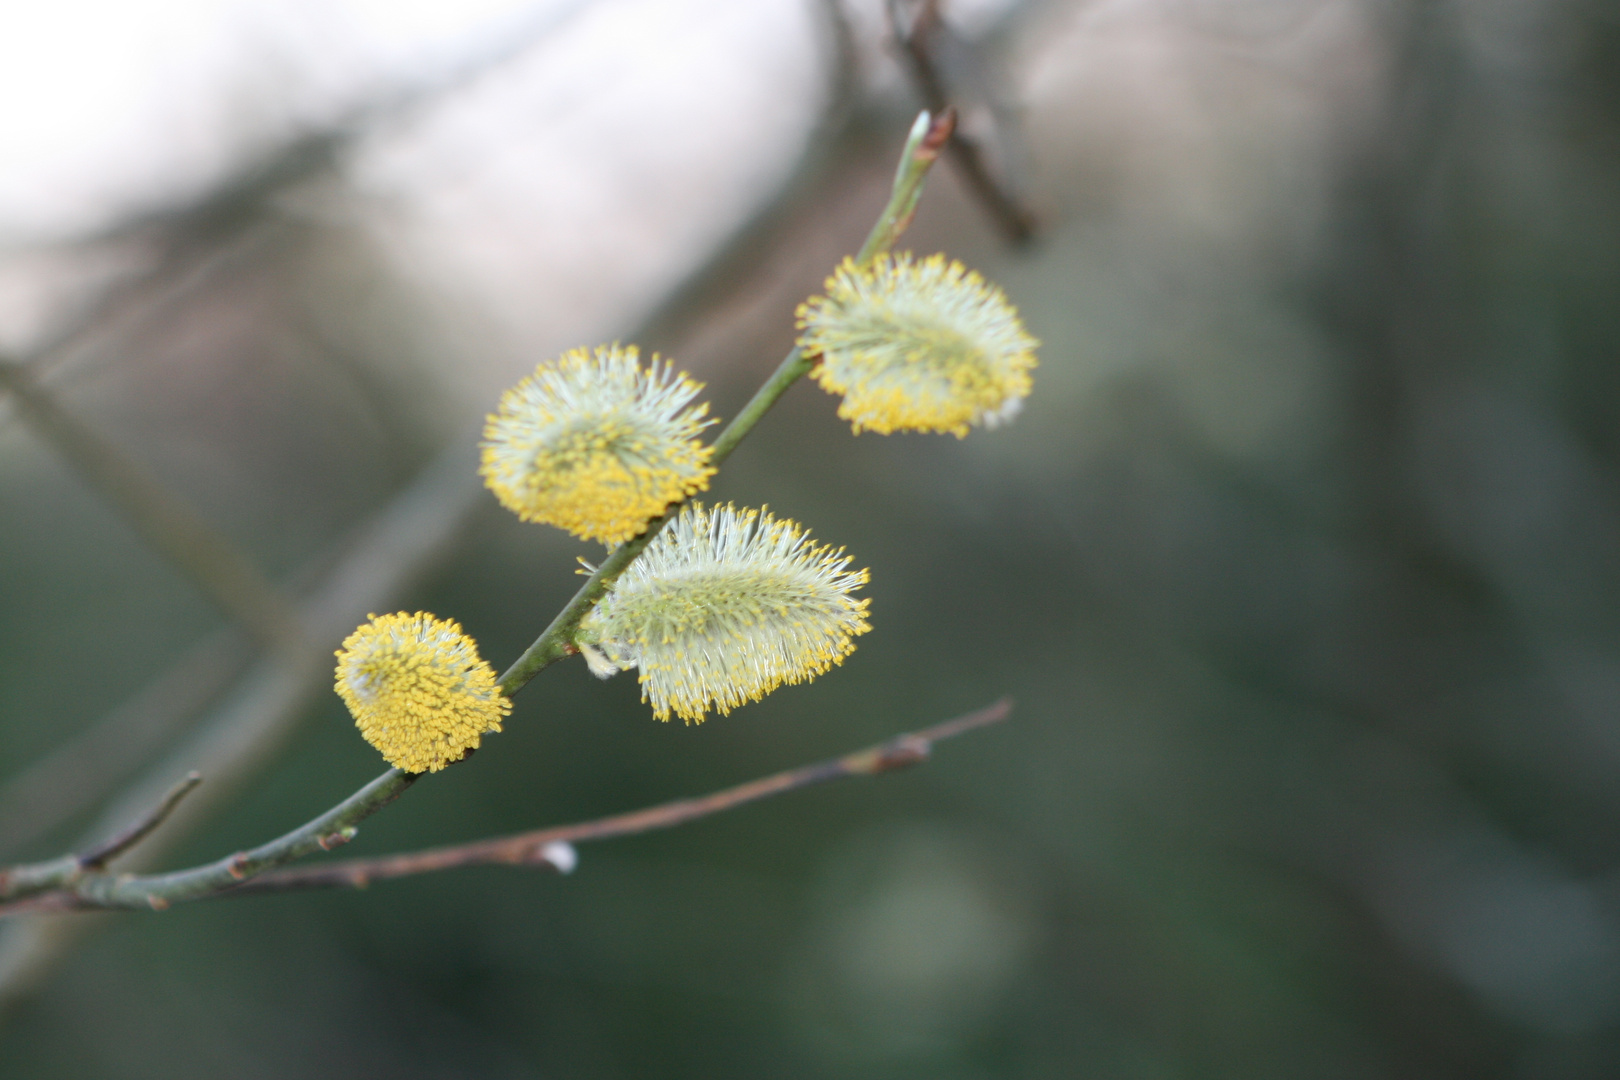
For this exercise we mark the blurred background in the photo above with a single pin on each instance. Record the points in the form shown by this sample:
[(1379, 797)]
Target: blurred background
[(1302, 563)]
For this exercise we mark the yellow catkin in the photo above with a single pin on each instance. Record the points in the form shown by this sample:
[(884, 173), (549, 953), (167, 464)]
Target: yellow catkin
[(596, 444), (418, 690), (723, 607), (917, 346)]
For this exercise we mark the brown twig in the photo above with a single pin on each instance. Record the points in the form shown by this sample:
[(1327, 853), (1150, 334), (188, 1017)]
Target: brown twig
[(539, 846), (553, 847), (918, 44)]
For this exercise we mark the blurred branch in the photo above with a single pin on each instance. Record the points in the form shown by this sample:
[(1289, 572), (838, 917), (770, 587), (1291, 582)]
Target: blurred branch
[(161, 518), (80, 771), (129, 305), (394, 548), (188, 237), (921, 39), (542, 847)]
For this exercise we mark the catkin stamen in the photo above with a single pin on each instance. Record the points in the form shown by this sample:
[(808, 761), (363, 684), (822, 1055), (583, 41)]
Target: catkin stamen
[(596, 444), (917, 346), (418, 690), (723, 607)]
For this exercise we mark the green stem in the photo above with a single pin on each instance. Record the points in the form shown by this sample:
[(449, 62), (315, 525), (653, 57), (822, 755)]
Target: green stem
[(923, 146), (30, 878), (335, 827), (927, 138)]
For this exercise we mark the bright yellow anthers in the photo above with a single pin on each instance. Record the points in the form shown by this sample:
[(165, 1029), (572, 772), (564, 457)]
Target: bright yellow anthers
[(723, 607), (418, 690), (917, 346), (595, 444)]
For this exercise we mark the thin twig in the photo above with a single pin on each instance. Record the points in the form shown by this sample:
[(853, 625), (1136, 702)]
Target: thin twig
[(541, 847), (919, 44), (100, 856), (29, 878)]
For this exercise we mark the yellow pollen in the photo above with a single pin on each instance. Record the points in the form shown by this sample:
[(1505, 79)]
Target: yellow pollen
[(418, 690), (595, 444), (723, 607), (917, 346)]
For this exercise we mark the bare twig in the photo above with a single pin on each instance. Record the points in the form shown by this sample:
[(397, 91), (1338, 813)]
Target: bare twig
[(79, 772), (99, 856), (537, 846), (542, 847), (919, 44)]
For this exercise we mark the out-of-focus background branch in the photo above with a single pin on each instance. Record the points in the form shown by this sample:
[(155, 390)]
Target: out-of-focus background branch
[(1301, 562)]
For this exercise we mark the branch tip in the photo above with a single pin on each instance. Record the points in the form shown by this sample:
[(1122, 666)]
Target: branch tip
[(939, 133), (98, 857)]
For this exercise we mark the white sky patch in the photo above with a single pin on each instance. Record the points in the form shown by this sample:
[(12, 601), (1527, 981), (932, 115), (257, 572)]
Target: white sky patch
[(570, 188), (113, 106), (548, 198)]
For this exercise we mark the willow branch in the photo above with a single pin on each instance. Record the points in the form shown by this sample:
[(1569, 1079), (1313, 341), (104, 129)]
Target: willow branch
[(923, 145), (927, 137), (335, 827), (551, 847)]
